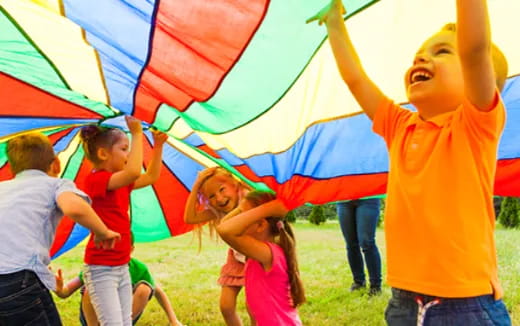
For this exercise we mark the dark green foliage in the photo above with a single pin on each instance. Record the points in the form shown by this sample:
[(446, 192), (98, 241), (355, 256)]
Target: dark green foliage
[(329, 210), (317, 215), (303, 211), (291, 217), (509, 211), (381, 212), (497, 203)]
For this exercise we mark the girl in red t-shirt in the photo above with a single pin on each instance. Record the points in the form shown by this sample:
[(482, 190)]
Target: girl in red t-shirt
[(117, 170)]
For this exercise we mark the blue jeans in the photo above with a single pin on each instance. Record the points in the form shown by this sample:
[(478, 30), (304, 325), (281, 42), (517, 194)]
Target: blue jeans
[(24, 300), (110, 292), (358, 221), (482, 310)]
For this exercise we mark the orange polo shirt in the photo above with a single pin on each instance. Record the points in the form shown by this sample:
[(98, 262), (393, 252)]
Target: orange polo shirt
[(439, 218)]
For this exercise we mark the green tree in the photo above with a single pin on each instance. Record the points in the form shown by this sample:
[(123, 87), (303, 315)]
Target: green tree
[(303, 211), (329, 211), (317, 215), (291, 217), (509, 211), (381, 212)]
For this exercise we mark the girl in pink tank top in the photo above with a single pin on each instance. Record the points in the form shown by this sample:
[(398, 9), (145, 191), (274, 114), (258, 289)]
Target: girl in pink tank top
[(256, 228)]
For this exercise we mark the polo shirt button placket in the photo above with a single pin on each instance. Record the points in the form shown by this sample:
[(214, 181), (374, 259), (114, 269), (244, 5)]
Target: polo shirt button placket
[(414, 145)]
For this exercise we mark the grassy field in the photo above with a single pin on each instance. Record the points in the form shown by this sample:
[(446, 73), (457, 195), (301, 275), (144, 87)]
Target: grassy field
[(190, 279)]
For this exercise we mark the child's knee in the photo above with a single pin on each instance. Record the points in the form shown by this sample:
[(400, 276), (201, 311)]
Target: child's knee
[(143, 291)]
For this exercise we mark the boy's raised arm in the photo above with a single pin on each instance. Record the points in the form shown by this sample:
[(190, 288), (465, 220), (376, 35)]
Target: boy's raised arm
[(366, 93), (474, 47)]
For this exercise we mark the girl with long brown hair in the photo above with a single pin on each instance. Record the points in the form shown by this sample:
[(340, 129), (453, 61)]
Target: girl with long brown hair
[(257, 229)]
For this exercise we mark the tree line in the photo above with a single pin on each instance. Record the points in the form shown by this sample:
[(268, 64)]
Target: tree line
[(507, 212)]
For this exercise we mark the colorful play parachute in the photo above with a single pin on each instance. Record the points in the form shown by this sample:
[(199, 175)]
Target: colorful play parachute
[(245, 84)]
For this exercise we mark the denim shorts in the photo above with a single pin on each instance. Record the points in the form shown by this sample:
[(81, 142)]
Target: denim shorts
[(483, 310), (24, 300)]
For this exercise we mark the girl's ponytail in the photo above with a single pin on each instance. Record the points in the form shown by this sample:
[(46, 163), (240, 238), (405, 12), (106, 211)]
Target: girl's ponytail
[(281, 229), (88, 135), (288, 244)]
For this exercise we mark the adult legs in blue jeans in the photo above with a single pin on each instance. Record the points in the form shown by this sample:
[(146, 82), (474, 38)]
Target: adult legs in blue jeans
[(358, 222), (24, 300)]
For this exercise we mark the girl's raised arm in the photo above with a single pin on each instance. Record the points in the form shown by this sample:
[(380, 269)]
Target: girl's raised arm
[(191, 215), (154, 169), (233, 227)]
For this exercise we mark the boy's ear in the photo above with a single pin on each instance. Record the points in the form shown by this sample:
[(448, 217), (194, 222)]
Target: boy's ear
[(55, 168)]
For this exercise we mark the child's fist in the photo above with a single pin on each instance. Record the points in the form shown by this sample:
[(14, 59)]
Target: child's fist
[(134, 125), (159, 137), (335, 6), (106, 240)]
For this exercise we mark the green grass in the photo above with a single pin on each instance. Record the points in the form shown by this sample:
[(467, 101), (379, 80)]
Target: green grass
[(189, 279)]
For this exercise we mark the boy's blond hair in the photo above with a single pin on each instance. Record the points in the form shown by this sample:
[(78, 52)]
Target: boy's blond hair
[(499, 60), (30, 151)]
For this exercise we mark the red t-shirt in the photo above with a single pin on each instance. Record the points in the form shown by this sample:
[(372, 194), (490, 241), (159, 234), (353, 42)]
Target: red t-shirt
[(112, 207)]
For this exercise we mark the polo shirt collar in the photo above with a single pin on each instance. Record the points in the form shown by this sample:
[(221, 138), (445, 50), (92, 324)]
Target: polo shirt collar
[(438, 120), (30, 173)]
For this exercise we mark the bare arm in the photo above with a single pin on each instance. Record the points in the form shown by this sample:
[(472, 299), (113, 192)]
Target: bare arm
[(366, 93), (165, 304), (81, 212), (232, 230), (154, 169), (132, 169), (65, 291), (191, 215), (474, 47)]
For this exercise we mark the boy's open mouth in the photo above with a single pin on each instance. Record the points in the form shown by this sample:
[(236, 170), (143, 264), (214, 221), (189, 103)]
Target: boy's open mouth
[(420, 75)]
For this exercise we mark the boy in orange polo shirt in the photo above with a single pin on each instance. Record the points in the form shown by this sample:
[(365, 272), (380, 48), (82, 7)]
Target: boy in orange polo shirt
[(439, 218)]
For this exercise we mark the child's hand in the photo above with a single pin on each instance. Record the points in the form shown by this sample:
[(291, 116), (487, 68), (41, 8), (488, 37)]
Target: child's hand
[(205, 174), (335, 6), (59, 281), (281, 209), (60, 288), (134, 125), (159, 138), (106, 240), (244, 205), (278, 208)]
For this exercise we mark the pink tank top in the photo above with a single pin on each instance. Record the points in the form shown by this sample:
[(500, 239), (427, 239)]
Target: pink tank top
[(268, 292)]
